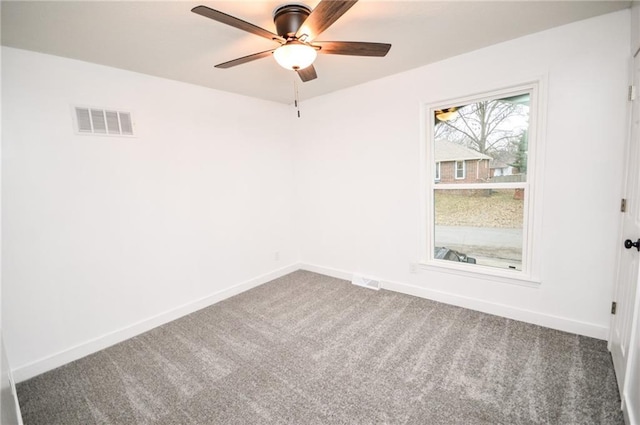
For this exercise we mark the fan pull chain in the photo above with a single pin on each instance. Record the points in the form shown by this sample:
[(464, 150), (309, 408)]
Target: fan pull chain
[(296, 96)]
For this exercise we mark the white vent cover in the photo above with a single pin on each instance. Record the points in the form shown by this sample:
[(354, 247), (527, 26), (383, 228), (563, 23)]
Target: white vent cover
[(103, 121), (365, 282)]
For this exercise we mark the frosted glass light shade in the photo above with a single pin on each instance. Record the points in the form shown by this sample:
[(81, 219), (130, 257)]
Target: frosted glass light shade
[(295, 55), (447, 114)]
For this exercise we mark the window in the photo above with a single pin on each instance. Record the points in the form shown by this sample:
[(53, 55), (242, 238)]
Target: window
[(460, 170), (479, 208)]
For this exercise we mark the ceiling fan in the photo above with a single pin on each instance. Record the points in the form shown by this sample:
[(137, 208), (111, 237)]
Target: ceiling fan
[(297, 26)]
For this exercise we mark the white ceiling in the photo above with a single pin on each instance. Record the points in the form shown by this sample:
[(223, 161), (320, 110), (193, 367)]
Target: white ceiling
[(165, 39)]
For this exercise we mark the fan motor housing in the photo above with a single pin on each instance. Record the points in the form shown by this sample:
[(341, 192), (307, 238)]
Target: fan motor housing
[(289, 18)]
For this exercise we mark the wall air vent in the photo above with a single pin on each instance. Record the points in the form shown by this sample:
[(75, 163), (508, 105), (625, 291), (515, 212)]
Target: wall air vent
[(102, 121)]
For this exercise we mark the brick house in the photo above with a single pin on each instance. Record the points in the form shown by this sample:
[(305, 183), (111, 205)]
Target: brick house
[(458, 164)]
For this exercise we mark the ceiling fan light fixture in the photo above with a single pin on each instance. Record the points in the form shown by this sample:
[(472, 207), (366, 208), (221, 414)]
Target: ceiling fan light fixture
[(447, 114), (295, 55), (297, 26)]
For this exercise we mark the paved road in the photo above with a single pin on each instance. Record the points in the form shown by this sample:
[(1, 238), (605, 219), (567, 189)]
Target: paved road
[(495, 247), (478, 236)]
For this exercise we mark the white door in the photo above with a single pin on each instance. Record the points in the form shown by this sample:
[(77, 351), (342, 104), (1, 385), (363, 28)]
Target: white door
[(629, 257), (631, 392)]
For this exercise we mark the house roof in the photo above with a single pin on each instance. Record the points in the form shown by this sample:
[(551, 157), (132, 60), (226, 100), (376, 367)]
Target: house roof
[(496, 163), (449, 151), (502, 160)]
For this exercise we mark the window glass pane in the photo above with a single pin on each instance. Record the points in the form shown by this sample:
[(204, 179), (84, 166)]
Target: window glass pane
[(483, 142), (479, 226), (460, 170)]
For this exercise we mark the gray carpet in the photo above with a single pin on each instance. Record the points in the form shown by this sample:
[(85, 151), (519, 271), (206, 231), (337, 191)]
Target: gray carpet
[(309, 349)]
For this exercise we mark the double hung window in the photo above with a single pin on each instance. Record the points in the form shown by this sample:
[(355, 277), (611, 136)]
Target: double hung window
[(479, 206)]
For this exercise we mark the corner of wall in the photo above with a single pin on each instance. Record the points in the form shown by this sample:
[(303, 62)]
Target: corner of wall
[(9, 406), (24, 372)]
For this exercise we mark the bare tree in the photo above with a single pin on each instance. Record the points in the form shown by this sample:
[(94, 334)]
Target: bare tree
[(486, 126)]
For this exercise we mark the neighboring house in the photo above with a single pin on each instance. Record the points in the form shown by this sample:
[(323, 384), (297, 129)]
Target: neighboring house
[(500, 168), (501, 171), (458, 164)]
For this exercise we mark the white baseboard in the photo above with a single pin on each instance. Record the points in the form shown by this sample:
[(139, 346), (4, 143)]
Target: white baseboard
[(10, 408), (338, 274), (16, 404), (536, 318), (630, 410), (22, 373), (53, 361)]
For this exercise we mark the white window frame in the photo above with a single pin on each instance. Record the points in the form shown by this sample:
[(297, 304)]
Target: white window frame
[(464, 170), (438, 168), (532, 220)]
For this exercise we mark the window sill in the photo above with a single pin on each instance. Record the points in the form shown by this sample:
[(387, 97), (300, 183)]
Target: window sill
[(482, 272)]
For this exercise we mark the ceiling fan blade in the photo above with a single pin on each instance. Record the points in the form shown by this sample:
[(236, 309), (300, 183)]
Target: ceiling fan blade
[(352, 48), (245, 59), (216, 15), (321, 18), (307, 74)]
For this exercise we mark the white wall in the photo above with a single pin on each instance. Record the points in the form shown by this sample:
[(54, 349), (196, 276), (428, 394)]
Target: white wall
[(358, 174), (106, 237), (9, 408)]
